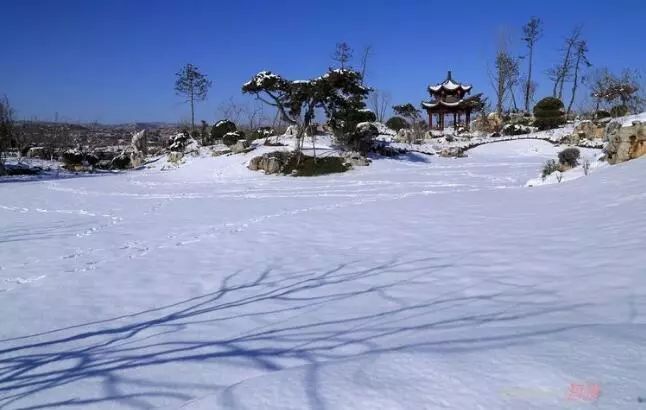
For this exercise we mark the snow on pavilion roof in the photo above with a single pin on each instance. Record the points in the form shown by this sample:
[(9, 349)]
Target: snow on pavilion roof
[(449, 85)]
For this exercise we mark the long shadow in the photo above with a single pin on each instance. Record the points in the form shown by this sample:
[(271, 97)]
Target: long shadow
[(113, 350)]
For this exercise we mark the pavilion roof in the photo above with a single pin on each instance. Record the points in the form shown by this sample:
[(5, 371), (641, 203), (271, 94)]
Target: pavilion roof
[(449, 85)]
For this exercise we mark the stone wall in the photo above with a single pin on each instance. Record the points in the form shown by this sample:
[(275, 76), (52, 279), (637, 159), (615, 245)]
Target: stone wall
[(625, 143)]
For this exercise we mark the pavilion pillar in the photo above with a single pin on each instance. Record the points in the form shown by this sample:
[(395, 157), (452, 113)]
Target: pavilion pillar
[(468, 118), (430, 120), (441, 120), (455, 120)]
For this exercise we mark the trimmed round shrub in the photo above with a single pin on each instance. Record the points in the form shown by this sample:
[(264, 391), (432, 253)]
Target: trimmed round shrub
[(619, 111), (230, 138), (549, 113), (397, 123), (569, 157), (221, 128)]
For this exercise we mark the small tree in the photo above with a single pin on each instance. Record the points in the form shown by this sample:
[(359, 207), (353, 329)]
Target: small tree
[(6, 129), (412, 115), (342, 54), (532, 32), (339, 93), (581, 49), (192, 85), (379, 102), (549, 113)]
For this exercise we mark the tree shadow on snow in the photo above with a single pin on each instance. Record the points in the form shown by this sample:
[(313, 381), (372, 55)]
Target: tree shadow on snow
[(279, 319)]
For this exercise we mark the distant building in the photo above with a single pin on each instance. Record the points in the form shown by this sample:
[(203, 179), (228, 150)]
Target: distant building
[(448, 97)]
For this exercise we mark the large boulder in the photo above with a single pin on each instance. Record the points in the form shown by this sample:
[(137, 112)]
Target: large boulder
[(240, 146), (271, 163), (590, 130), (625, 142)]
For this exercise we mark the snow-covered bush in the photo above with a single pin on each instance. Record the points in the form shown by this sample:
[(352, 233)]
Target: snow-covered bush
[(549, 167), (362, 139), (221, 128), (230, 138), (549, 113), (569, 157)]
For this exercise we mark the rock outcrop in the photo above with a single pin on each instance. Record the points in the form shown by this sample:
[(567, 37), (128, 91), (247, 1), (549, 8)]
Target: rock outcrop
[(625, 143)]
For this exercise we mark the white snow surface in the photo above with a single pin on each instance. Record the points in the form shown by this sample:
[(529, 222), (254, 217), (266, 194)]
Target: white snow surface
[(413, 283)]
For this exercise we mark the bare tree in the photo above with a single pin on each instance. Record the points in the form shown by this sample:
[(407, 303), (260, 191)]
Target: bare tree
[(379, 101), (342, 54), (192, 85), (367, 52), (513, 81), (580, 59), (6, 129), (598, 82), (531, 34), (562, 72), (528, 89), (502, 76), (231, 110)]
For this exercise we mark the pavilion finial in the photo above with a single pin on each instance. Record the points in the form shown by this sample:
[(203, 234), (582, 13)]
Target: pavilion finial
[(448, 76)]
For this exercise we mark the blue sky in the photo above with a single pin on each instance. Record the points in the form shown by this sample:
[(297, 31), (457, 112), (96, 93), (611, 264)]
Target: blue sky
[(115, 61)]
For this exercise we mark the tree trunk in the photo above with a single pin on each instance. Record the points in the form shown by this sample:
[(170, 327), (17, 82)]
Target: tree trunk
[(574, 85), (513, 98), (529, 76)]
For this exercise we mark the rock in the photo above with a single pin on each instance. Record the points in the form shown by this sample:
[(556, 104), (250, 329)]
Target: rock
[(355, 159), (140, 142), (405, 135), (271, 163), (625, 143), (183, 143), (72, 157), (39, 152), (121, 161), (254, 164), (175, 156), (590, 130), (239, 146), (455, 152)]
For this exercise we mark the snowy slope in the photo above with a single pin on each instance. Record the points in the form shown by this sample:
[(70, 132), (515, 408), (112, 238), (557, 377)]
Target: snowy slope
[(421, 282)]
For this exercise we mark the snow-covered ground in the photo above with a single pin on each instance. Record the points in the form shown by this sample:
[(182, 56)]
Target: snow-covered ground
[(420, 282)]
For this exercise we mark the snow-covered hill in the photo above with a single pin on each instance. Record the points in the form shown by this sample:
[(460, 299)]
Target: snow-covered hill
[(419, 282)]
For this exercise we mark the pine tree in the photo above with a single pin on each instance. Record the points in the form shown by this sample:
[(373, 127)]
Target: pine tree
[(192, 85), (531, 33)]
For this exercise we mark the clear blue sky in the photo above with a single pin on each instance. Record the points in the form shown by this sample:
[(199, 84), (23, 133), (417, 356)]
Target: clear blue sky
[(114, 61)]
